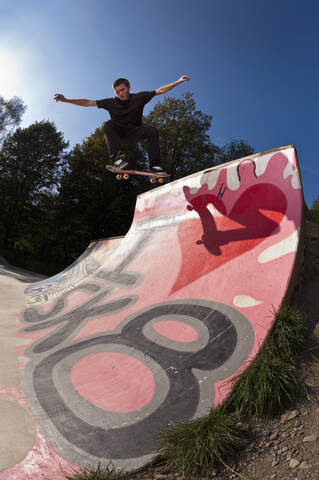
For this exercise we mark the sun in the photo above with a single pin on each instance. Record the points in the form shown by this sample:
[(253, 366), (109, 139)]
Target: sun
[(9, 77)]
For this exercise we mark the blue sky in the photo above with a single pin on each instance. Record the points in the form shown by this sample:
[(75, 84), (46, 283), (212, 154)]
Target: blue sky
[(254, 64)]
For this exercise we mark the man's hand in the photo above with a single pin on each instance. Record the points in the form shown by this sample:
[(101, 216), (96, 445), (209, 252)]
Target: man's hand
[(184, 78), (58, 97)]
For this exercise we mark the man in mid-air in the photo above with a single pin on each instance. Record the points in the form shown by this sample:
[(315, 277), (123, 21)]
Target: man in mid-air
[(125, 125)]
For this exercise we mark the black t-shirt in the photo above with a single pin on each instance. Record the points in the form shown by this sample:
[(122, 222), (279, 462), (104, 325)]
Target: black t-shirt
[(126, 112)]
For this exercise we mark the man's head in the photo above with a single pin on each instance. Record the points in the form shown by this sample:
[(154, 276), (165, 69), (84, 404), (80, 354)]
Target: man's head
[(121, 87)]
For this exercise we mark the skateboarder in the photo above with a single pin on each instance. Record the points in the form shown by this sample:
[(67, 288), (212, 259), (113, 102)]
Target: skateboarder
[(125, 125)]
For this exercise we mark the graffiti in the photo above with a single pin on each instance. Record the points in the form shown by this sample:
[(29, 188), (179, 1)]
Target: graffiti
[(221, 191), (69, 420), (153, 334), (253, 212)]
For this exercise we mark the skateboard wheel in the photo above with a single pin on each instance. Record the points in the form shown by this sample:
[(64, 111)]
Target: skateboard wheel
[(153, 180), (126, 176), (119, 176), (161, 180)]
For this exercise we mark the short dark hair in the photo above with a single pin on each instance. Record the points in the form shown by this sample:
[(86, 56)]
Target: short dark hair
[(121, 81)]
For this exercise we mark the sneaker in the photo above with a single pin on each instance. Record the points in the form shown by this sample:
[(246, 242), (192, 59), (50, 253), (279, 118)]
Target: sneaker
[(120, 161), (156, 169)]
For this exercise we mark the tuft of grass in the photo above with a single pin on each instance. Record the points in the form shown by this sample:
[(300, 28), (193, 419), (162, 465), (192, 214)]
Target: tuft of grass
[(265, 388), (270, 383), (288, 333), (193, 448), (107, 472)]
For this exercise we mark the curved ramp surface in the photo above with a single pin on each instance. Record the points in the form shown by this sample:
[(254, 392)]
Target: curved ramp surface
[(154, 336), (90, 260)]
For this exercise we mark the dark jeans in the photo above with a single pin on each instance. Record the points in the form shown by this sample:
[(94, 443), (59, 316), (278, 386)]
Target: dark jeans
[(115, 136)]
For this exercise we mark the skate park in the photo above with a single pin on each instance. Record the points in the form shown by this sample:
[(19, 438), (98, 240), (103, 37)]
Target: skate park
[(148, 330)]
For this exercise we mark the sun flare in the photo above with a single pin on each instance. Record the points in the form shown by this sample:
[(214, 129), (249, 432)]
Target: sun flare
[(9, 75)]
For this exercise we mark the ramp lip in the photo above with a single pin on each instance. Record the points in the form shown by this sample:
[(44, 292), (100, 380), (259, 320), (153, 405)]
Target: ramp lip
[(217, 167)]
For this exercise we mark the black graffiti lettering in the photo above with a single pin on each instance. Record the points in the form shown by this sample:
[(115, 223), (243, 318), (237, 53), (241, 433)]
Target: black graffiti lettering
[(33, 315), (241, 165), (119, 278), (180, 402), (221, 191), (74, 320)]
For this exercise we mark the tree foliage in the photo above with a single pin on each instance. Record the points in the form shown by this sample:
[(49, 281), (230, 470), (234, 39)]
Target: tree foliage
[(91, 203), (11, 112), (184, 141), (233, 150), (31, 161)]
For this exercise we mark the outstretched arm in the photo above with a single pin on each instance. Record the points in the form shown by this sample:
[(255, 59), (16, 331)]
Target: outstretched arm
[(81, 102), (169, 86)]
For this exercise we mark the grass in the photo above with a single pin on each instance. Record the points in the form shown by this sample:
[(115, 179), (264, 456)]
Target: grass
[(288, 334), (193, 448), (108, 472), (265, 388), (271, 383)]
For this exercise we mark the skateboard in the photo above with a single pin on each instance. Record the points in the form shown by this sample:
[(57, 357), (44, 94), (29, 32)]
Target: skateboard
[(123, 174)]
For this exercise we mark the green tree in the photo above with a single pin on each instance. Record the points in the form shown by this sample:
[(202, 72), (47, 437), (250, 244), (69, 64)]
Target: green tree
[(184, 140), (233, 150), (31, 163), (92, 204), (11, 112)]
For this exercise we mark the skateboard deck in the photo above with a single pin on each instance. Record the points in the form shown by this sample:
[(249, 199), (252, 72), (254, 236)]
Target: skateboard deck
[(124, 174)]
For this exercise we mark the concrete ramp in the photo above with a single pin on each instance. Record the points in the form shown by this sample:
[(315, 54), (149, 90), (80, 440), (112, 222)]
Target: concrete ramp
[(154, 335), (90, 260)]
